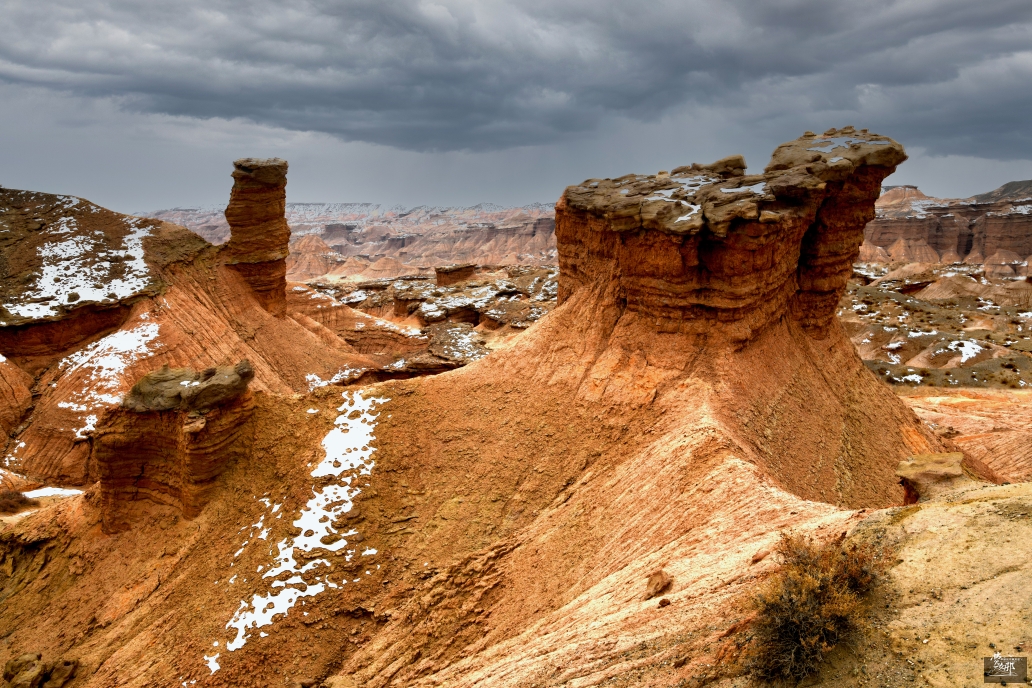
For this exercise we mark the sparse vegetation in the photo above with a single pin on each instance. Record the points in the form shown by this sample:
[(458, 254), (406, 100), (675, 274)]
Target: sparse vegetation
[(11, 502), (814, 602)]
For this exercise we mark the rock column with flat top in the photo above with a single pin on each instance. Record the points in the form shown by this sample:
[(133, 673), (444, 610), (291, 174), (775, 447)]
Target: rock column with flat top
[(257, 247)]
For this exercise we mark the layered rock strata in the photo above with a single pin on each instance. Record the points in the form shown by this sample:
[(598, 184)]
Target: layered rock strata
[(992, 229), (344, 240), (258, 243), (707, 249), (175, 433), (68, 270)]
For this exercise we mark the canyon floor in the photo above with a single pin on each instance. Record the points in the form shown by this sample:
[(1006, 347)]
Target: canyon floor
[(535, 475)]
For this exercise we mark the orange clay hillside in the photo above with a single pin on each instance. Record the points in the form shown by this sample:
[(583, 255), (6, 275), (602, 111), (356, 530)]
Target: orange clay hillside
[(499, 525)]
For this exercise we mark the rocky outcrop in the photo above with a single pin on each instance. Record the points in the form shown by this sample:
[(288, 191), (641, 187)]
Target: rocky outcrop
[(512, 298), (706, 250), (448, 275), (174, 435), (929, 475), (258, 243), (994, 229), (187, 390), (30, 671), (68, 270)]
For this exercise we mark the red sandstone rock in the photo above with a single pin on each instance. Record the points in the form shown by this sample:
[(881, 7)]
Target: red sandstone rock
[(15, 397), (453, 274), (703, 254), (360, 234), (171, 440), (691, 397), (258, 244)]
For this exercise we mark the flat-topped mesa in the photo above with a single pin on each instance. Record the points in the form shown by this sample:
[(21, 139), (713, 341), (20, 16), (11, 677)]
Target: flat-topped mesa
[(257, 246), (174, 434), (710, 249)]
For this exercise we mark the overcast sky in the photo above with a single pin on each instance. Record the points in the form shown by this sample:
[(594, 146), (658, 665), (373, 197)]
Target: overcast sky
[(143, 104)]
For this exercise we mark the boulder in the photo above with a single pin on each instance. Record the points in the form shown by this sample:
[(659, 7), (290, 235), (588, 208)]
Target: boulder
[(21, 663), (189, 390), (658, 583)]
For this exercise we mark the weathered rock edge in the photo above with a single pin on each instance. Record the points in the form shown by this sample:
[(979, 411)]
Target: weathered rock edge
[(174, 434), (708, 249)]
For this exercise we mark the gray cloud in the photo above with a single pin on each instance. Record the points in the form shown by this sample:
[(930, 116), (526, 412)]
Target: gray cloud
[(950, 76)]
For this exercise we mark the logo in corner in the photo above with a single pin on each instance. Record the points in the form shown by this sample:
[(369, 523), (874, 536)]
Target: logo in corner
[(1000, 669)]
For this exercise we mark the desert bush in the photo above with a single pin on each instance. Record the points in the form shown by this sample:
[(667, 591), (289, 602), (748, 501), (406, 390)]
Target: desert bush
[(814, 602), (11, 501)]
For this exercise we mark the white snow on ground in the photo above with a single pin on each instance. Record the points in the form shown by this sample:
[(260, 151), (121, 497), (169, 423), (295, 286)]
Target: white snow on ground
[(80, 265), (51, 492), (693, 209), (345, 373), (348, 455), (967, 349), (104, 363), (755, 188)]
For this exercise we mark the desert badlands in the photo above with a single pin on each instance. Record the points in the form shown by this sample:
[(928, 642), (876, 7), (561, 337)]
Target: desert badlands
[(351, 447)]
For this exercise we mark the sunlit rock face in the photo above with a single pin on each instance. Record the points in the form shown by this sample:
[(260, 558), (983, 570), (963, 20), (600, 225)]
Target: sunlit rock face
[(708, 248), (259, 233)]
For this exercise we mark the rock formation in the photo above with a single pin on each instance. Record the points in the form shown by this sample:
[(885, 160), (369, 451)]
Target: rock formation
[(455, 273), (497, 525), (176, 432), (68, 271), (257, 247), (994, 229), (706, 250)]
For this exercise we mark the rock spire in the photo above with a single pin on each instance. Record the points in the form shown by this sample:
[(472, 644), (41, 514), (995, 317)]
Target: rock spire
[(257, 247)]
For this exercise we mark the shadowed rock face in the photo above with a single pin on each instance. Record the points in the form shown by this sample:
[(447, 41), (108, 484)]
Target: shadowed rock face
[(174, 435), (708, 249), (257, 246)]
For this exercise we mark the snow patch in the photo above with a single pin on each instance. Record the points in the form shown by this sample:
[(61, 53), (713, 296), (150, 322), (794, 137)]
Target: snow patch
[(348, 455)]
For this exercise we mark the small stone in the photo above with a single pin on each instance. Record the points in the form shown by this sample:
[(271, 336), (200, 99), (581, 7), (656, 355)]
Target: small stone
[(658, 583), (664, 603)]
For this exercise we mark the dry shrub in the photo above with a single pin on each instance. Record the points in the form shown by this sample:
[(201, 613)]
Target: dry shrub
[(814, 602), (11, 501)]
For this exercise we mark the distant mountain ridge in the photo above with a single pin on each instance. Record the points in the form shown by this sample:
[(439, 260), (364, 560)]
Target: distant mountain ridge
[(366, 240), (993, 229)]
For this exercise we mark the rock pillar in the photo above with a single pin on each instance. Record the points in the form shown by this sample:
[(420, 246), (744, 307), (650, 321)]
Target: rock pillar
[(257, 247)]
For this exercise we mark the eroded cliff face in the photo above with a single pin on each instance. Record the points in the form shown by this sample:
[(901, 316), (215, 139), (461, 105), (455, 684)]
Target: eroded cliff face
[(257, 247), (345, 240), (707, 250), (175, 433), (992, 229)]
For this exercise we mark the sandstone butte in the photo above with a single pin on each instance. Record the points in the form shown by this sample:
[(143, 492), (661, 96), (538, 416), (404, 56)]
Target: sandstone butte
[(505, 524)]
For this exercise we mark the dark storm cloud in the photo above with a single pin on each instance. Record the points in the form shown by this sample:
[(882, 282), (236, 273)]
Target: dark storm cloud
[(949, 75)]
